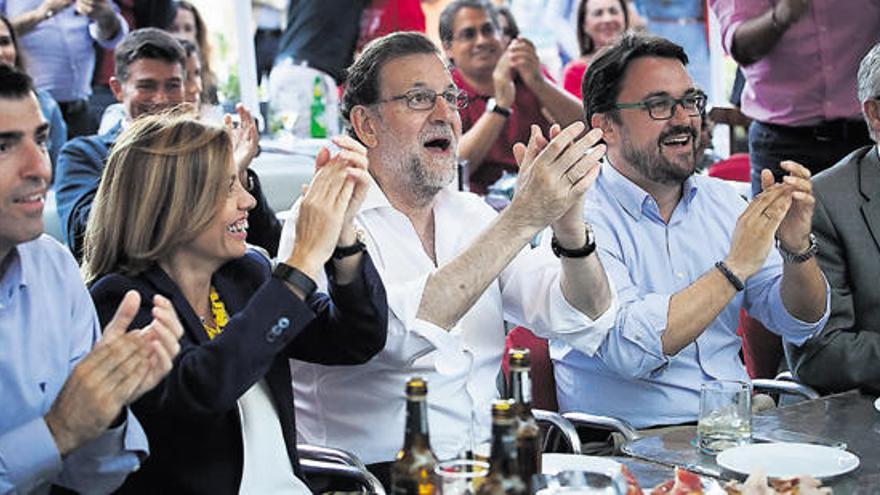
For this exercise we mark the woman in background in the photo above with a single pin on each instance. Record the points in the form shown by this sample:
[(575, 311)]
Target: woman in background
[(189, 25), (10, 54), (599, 24), (170, 218)]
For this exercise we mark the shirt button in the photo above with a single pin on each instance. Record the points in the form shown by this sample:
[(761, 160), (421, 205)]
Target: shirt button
[(283, 322), (679, 275)]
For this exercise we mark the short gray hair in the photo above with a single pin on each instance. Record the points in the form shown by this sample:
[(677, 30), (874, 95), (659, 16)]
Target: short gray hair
[(869, 75)]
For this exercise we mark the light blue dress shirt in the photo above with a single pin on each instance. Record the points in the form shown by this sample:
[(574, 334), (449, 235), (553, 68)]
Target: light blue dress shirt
[(59, 52), (47, 325), (649, 260)]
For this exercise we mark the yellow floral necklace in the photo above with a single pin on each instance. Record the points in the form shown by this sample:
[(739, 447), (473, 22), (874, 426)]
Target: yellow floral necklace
[(219, 314)]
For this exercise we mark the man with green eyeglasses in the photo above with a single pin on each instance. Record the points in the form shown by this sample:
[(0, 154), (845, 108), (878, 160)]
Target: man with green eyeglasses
[(684, 252)]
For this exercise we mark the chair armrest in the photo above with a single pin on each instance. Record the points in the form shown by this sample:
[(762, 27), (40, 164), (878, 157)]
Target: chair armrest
[(328, 454), (785, 375), (555, 420), (604, 423), (331, 469), (785, 387)]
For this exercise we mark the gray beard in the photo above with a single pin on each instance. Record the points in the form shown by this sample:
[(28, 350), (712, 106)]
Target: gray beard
[(424, 185), (654, 166)]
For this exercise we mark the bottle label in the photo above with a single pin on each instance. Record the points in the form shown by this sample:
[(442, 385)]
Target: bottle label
[(526, 381)]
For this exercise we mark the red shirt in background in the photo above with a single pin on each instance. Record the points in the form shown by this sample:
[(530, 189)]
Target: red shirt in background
[(526, 111), (383, 17), (572, 75)]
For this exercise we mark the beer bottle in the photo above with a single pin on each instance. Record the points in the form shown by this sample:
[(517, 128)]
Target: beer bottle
[(504, 477), (413, 471), (528, 435)]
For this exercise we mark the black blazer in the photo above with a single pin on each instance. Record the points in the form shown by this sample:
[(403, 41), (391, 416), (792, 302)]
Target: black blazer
[(191, 418)]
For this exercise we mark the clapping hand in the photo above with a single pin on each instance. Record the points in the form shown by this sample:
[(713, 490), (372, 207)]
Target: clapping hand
[(502, 80), (554, 175), (330, 202), (121, 367), (524, 60), (755, 228), (794, 230), (245, 139)]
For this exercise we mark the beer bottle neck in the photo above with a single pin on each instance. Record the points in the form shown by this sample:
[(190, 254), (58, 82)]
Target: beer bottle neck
[(416, 424), (502, 459), (521, 388)]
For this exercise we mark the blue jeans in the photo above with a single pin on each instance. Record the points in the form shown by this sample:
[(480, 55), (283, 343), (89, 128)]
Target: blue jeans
[(815, 147)]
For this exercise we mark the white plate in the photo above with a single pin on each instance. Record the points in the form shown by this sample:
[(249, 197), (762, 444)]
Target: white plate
[(877, 404), (787, 460), (554, 463)]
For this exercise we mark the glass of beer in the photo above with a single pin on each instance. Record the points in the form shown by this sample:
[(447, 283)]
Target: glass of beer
[(725, 415)]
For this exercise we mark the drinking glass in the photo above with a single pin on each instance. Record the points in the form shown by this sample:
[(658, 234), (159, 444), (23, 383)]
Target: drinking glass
[(461, 476), (725, 415)]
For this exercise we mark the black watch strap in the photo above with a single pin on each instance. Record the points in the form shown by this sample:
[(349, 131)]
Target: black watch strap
[(492, 106), (581, 252), (358, 246), (296, 278)]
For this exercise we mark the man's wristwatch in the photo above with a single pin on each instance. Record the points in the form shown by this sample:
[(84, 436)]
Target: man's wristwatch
[(581, 252), (492, 106), (789, 257), (346, 251)]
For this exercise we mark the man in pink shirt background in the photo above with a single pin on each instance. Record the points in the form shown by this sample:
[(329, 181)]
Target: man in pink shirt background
[(799, 58)]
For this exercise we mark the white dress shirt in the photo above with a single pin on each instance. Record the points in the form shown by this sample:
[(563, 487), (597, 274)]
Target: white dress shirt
[(266, 469), (363, 408)]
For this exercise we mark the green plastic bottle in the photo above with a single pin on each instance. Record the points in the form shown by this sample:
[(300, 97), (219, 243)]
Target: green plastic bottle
[(318, 122)]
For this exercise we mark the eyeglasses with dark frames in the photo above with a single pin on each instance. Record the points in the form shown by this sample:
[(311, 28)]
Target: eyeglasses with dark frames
[(469, 34), (663, 107), (424, 99)]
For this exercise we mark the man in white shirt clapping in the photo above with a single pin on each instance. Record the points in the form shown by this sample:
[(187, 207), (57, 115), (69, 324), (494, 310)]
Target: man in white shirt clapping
[(454, 270)]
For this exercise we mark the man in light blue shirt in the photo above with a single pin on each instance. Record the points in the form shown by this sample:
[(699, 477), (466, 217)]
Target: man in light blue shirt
[(63, 392), (57, 38), (684, 252)]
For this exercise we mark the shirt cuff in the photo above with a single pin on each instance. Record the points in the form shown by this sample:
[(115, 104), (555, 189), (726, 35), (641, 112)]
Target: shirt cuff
[(578, 330), (645, 326), (29, 456), (794, 330), (128, 437), (404, 299), (111, 43), (450, 357)]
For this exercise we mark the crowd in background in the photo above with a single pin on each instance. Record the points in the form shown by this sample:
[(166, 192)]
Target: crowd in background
[(615, 252)]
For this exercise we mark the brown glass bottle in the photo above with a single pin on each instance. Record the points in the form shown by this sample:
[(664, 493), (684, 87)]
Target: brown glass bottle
[(504, 477), (413, 471), (528, 435)]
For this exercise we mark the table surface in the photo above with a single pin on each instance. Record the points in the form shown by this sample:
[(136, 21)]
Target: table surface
[(848, 417)]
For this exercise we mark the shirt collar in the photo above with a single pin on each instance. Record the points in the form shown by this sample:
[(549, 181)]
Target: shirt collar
[(15, 275), (376, 198), (633, 198)]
